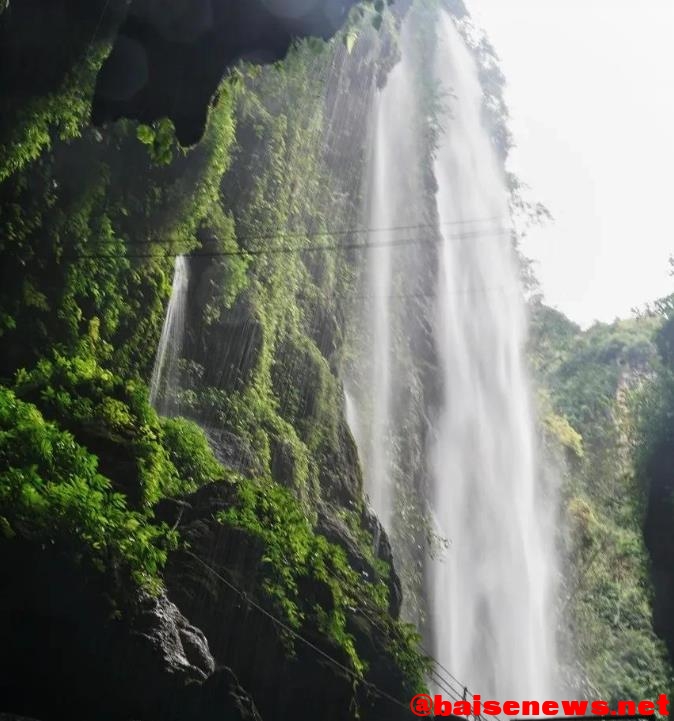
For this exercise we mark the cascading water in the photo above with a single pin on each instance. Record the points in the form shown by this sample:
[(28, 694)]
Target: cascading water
[(165, 370), (489, 598), (387, 212), (381, 212)]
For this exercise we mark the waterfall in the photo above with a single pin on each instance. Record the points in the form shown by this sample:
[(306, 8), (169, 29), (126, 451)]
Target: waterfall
[(379, 216), (490, 597), (489, 613), (165, 370), (387, 213)]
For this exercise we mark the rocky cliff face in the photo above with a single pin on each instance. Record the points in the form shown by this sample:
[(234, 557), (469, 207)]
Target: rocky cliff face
[(221, 563), (71, 652), (657, 478), (74, 647), (596, 389)]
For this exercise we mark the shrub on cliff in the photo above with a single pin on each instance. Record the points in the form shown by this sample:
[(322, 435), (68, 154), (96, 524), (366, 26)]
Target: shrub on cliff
[(52, 492)]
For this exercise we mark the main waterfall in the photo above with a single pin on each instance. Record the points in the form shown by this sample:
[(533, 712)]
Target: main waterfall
[(489, 617), (490, 598)]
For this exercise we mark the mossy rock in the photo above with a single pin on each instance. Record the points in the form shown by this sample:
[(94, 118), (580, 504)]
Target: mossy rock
[(231, 348), (306, 389)]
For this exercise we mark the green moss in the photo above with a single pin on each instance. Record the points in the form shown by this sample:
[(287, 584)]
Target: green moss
[(108, 413), (300, 567), (82, 323), (146, 458), (113, 219), (306, 390), (557, 431), (610, 609), (588, 380)]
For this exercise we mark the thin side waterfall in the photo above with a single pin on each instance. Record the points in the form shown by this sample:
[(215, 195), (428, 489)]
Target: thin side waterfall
[(489, 597), (165, 370), (352, 418)]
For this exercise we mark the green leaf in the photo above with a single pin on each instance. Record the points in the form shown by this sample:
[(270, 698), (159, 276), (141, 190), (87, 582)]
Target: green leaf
[(145, 134)]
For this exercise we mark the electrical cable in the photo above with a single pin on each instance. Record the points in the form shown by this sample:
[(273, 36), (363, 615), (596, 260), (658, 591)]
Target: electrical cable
[(332, 233), (288, 250), (242, 594), (442, 682), (98, 24)]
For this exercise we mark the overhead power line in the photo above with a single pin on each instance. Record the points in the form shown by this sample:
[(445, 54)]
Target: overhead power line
[(443, 683), (437, 670), (284, 250), (279, 235), (512, 289), (98, 24), (281, 624)]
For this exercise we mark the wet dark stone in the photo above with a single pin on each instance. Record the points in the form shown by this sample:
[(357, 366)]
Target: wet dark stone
[(659, 537), (69, 652), (301, 685), (337, 532), (232, 451)]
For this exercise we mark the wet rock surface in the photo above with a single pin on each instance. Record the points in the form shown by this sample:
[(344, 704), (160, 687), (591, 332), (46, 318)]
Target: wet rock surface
[(338, 533), (216, 584), (76, 649), (70, 652)]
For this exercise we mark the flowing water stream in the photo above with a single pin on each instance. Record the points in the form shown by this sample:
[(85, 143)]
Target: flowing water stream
[(489, 595), (387, 208), (490, 598), (165, 370)]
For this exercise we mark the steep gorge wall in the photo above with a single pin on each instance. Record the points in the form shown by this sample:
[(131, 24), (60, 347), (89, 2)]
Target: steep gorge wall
[(133, 546), (110, 515)]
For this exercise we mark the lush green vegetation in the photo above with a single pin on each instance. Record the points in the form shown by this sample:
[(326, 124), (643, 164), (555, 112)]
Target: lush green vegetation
[(52, 492), (91, 221), (60, 115), (299, 567), (54, 487), (592, 382), (89, 224)]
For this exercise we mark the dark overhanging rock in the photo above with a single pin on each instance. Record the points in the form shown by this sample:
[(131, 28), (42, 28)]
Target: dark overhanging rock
[(42, 41), (659, 538), (336, 531), (170, 56)]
